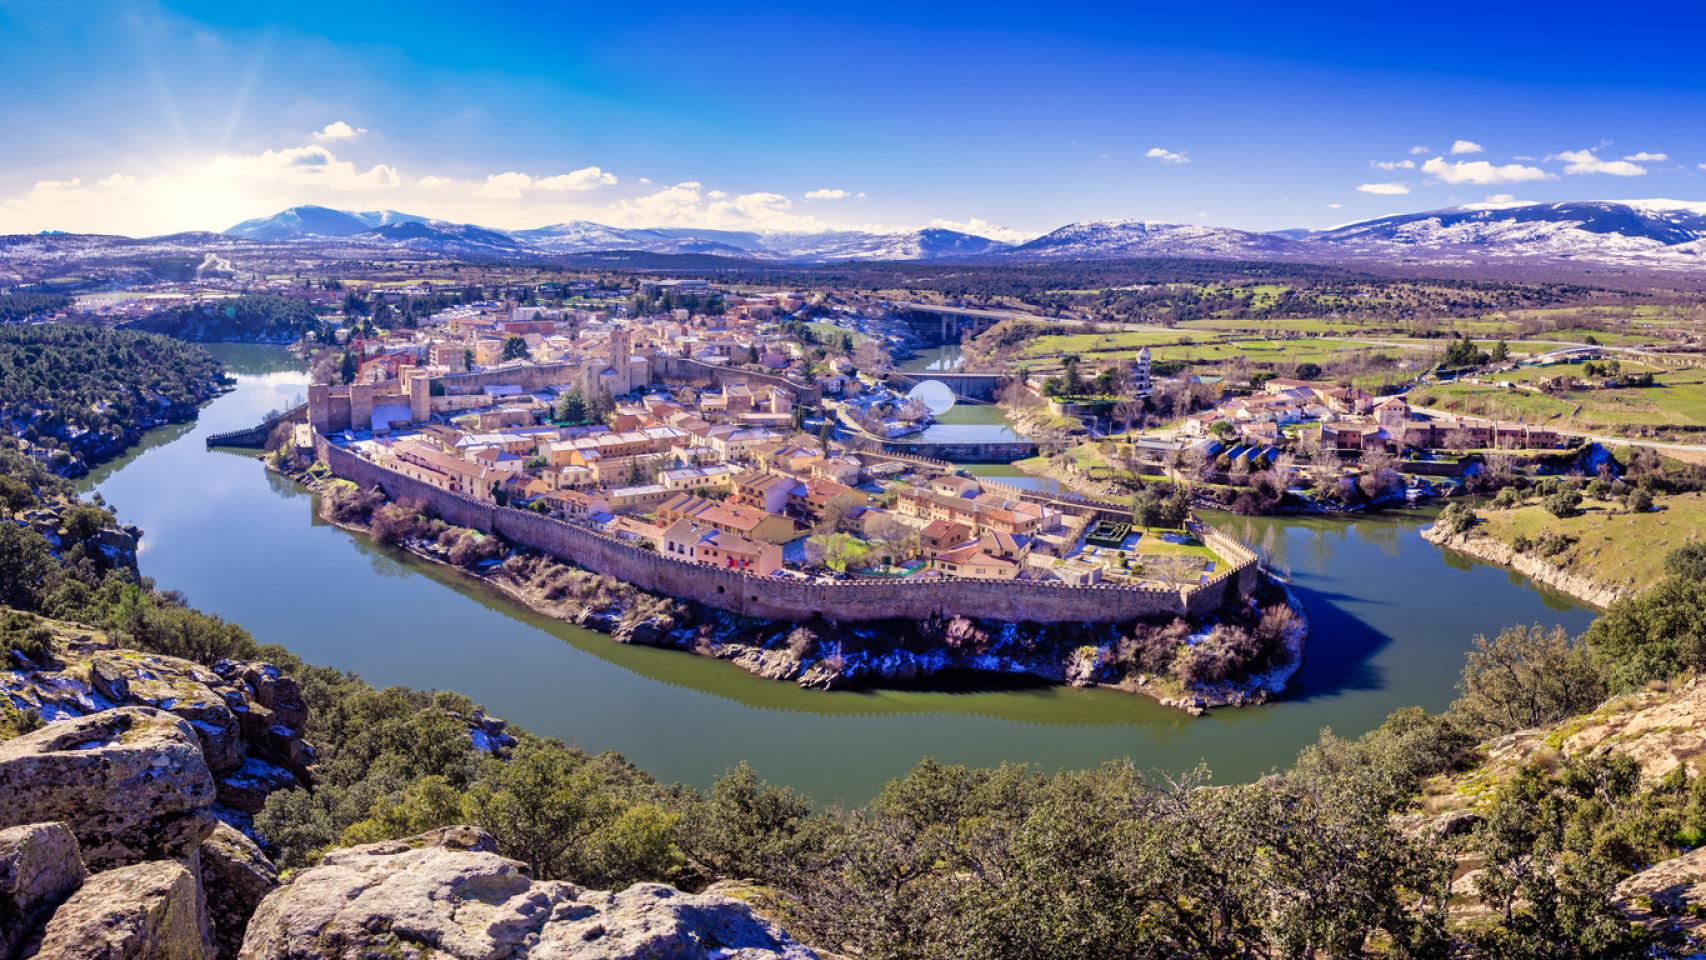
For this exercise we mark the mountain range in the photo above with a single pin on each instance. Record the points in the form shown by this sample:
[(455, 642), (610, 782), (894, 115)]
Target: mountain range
[(1660, 233)]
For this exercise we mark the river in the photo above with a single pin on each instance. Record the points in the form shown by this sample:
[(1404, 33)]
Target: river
[(1392, 616)]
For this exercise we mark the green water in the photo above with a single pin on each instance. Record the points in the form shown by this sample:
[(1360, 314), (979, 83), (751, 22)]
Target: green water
[(942, 359), (1392, 616)]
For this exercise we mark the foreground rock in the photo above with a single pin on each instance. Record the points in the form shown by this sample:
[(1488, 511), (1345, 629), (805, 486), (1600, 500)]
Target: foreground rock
[(40, 867), (235, 877), (149, 911), (130, 783), (247, 715), (447, 894), (1669, 897)]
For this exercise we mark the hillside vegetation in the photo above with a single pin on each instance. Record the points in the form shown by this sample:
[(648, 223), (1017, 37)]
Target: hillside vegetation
[(266, 319), (82, 394)]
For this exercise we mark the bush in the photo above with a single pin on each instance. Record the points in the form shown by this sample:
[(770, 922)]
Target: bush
[(1687, 562), (1457, 518), (23, 637), (1564, 504), (1525, 677), (1652, 635)]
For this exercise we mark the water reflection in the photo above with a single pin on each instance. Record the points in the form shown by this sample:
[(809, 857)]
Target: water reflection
[(1392, 618)]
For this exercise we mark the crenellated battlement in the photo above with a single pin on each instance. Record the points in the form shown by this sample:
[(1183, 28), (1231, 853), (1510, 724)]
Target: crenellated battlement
[(791, 598)]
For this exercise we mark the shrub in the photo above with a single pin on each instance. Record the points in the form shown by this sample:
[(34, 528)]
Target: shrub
[(1564, 504), (1687, 562), (1457, 518)]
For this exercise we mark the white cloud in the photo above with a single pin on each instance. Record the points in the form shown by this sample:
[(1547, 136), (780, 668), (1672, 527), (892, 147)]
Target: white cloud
[(1167, 156), (982, 228), (1334, 206), (433, 182), (338, 130), (1466, 146), (689, 204), (1417, 151), (828, 193), (1386, 189), (1647, 157), (1584, 161), (1394, 164), (309, 167), (504, 186), (586, 178), (1500, 198), (1482, 173)]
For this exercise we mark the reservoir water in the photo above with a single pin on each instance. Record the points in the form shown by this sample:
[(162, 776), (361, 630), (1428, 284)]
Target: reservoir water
[(1392, 617)]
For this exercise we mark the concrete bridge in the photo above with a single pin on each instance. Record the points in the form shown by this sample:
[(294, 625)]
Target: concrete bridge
[(981, 387), (935, 323)]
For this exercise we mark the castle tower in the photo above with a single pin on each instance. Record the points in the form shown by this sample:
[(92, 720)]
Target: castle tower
[(320, 407), (420, 398)]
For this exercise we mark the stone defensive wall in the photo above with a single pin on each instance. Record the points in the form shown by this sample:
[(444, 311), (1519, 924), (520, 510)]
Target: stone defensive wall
[(527, 376), (686, 368), (787, 598), (256, 436)]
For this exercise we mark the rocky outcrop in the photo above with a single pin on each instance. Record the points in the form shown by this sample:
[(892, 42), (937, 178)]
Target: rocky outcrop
[(247, 715), (1538, 569), (235, 877), (1669, 897), (447, 894), (147, 911), (40, 867), (130, 783)]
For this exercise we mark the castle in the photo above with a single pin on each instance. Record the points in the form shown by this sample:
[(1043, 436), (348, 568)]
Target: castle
[(410, 399)]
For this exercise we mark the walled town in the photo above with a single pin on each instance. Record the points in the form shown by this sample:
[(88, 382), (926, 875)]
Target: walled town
[(642, 429)]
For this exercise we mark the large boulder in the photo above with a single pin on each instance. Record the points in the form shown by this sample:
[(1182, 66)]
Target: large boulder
[(131, 784), (238, 709), (147, 911), (448, 895), (1668, 897), (40, 867), (235, 877)]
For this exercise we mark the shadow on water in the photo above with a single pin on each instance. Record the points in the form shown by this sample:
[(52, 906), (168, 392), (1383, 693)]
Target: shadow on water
[(1342, 649), (1391, 624)]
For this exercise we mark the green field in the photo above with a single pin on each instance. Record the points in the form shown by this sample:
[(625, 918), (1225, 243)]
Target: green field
[(1678, 398), (1611, 547)]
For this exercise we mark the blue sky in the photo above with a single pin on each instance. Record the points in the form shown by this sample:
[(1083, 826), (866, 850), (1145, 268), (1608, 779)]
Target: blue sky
[(1012, 118)]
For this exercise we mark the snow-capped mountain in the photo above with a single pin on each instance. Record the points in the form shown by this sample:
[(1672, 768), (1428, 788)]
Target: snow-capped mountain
[(1658, 231), (1111, 239), (1642, 233), (933, 243), (580, 236), (305, 222), (391, 228), (440, 236)]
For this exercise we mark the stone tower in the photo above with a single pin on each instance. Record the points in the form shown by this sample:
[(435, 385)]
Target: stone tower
[(1140, 374), (621, 349)]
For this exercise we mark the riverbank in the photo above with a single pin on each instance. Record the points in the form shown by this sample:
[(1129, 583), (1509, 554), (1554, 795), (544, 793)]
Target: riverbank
[(1539, 569), (1251, 651)]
